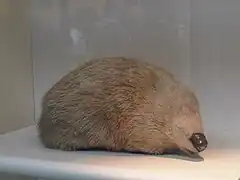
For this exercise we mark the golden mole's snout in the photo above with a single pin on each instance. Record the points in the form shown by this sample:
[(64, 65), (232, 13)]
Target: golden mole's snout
[(199, 141)]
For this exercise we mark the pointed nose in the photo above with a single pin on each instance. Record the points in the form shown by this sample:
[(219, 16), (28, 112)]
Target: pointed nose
[(199, 141)]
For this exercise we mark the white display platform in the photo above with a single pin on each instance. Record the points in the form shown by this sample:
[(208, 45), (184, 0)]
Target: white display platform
[(22, 153)]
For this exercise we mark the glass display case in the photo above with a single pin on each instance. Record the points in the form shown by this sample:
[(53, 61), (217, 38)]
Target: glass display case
[(42, 40)]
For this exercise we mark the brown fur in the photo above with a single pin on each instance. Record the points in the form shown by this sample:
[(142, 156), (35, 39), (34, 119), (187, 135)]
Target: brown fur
[(119, 104)]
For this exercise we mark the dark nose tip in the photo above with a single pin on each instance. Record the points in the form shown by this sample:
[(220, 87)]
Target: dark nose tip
[(199, 141)]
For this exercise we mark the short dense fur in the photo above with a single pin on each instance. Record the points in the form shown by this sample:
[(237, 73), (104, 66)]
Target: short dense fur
[(119, 104)]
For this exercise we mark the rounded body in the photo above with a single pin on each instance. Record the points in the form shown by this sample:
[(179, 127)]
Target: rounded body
[(119, 104)]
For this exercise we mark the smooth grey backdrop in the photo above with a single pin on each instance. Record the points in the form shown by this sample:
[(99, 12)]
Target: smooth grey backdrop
[(196, 40)]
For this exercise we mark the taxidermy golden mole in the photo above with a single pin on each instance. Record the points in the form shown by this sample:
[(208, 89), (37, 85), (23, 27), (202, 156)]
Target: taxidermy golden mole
[(121, 104)]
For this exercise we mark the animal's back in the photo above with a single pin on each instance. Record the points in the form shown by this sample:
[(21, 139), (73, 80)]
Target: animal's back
[(106, 103)]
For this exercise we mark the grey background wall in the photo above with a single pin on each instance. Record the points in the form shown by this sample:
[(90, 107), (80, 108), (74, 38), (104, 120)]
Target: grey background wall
[(16, 78), (16, 87), (196, 40), (66, 33), (215, 67)]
